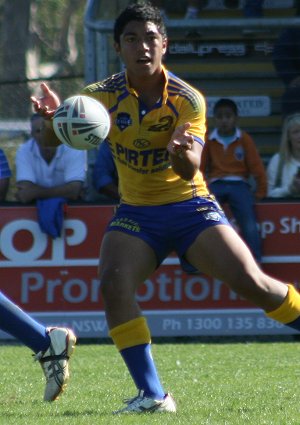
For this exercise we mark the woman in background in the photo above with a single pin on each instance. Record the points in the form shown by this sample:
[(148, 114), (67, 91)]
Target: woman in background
[(283, 171)]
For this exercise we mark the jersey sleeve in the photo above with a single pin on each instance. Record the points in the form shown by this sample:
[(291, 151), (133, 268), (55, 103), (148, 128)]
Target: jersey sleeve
[(193, 110)]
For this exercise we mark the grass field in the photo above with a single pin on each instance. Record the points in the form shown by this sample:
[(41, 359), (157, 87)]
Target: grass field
[(226, 382)]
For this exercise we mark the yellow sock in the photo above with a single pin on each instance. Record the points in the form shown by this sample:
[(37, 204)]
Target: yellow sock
[(129, 334), (289, 310)]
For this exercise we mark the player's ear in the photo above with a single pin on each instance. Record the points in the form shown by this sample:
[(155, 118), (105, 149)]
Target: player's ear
[(165, 45)]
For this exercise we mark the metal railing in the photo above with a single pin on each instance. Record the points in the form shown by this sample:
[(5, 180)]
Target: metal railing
[(99, 31)]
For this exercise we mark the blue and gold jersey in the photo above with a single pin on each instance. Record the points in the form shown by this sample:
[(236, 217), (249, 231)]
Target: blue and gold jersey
[(139, 136)]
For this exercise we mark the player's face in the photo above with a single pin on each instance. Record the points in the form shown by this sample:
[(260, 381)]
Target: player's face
[(141, 48), (225, 121)]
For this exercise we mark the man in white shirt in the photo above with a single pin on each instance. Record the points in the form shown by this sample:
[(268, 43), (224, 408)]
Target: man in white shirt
[(48, 172)]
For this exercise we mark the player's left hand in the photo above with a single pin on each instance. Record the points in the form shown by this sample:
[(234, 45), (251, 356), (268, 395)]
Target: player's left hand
[(181, 141)]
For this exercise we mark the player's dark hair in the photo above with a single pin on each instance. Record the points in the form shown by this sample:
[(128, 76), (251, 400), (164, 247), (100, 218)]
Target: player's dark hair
[(143, 12), (228, 103)]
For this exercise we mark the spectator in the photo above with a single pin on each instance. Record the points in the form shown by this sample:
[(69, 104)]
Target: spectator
[(105, 177), (229, 159), (251, 9), (286, 60), (192, 8), (5, 174), (283, 171), (48, 172)]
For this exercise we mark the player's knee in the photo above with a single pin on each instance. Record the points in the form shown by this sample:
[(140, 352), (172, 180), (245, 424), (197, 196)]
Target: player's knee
[(113, 289)]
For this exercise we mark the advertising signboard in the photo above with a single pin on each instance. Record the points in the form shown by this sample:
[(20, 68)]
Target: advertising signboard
[(56, 280)]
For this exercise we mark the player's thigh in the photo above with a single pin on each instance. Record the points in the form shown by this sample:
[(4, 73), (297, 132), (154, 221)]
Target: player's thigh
[(219, 252), (125, 259)]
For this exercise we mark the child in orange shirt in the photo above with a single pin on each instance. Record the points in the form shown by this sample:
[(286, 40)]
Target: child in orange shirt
[(229, 158)]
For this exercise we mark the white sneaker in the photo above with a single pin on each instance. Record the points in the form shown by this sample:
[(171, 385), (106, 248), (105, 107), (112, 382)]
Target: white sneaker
[(55, 361), (141, 404)]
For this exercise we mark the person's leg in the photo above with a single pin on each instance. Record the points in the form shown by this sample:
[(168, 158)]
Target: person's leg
[(220, 190), (19, 324), (125, 262), (241, 202), (218, 251), (52, 346)]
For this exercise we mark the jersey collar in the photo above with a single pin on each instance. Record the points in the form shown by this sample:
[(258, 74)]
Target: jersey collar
[(132, 91)]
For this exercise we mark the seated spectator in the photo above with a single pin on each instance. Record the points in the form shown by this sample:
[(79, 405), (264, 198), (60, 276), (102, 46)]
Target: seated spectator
[(228, 161), (47, 172), (283, 170), (286, 60), (192, 8), (251, 8), (105, 177), (5, 174)]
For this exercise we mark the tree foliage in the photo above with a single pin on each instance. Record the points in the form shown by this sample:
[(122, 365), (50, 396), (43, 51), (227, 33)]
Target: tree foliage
[(57, 31), (39, 40)]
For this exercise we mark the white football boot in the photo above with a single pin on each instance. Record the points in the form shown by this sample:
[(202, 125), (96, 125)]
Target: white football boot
[(55, 361), (142, 404)]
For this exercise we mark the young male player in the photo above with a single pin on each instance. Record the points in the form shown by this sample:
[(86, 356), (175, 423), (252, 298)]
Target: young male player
[(157, 135)]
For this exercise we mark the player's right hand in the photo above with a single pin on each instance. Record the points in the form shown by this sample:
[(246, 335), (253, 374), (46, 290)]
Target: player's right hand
[(47, 104), (181, 141)]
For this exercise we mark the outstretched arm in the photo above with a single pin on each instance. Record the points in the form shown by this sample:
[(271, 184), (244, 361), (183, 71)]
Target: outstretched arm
[(184, 153)]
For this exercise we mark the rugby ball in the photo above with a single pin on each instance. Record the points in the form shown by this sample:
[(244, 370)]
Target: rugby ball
[(81, 122)]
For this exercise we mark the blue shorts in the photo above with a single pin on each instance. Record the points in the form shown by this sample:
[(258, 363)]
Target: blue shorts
[(170, 227)]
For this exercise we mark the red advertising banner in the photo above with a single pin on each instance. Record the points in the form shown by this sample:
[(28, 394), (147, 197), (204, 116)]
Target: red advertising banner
[(56, 279)]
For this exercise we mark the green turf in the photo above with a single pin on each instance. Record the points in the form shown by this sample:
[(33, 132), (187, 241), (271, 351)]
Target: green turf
[(219, 383)]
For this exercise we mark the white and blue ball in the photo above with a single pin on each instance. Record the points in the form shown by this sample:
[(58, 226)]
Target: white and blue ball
[(81, 122)]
